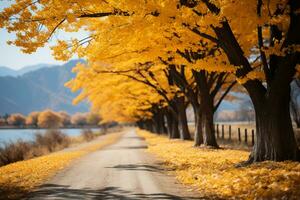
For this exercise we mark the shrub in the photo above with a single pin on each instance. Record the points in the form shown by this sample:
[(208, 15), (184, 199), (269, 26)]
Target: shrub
[(14, 152), (93, 119), (65, 118), (49, 119), (32, 119), (53, 140), (87, 134), (2, 122), (16, 120), (79, 119)]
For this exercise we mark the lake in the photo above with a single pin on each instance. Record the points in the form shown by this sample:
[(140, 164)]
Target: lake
[(12, 135)]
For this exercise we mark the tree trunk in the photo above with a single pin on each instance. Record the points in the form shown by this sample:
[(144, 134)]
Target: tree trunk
[(175, 129), (209, 138), (275, 137), (184, 130), (165, 130), (172, 126), (155, 124), (159, 122), (140, 124), (207, 109), (198, 137), (149, 125), (169, 124)]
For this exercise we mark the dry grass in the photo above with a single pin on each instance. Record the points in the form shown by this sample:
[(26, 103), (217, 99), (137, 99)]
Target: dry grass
[(21, 177), (213, 173), (14, 152), (52, 140), (88, 134)]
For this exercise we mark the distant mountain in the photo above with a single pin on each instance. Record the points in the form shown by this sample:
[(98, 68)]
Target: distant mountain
[(6, 71), (39, 89), (42, 86), (30, 68)]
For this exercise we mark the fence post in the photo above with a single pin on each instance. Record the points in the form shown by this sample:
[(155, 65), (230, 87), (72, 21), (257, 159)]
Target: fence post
[(246, 137), (252, 137), (222, 131), (218, 131), (229, 132), (239, 134)]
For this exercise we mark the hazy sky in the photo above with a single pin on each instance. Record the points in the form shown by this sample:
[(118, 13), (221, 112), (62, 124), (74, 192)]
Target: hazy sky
[(11, 56)]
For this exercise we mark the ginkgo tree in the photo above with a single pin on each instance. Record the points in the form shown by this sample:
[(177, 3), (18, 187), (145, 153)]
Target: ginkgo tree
[(164, 51), (269, 29), (241, 30), (118, 98), (98, 43)]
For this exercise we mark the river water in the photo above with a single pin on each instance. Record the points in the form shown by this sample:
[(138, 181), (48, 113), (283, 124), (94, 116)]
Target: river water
[(12, 135)]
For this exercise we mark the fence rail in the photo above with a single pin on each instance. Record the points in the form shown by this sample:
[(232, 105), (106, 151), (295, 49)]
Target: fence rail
[(242, 135)]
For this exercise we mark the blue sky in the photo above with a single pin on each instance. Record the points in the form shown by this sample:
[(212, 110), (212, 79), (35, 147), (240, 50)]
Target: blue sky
[(12, 57)]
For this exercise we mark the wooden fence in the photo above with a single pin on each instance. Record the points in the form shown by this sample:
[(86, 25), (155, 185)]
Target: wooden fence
[(242, 135)]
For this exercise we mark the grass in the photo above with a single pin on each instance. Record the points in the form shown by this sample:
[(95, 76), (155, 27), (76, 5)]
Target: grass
[(213, 173), (19, 178)]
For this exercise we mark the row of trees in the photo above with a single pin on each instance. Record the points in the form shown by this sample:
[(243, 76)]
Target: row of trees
[(148, 60), (51, 119)]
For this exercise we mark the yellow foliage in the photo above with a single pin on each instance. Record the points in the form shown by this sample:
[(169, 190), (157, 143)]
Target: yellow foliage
[(124, 36), (251, 76), (19, 178), (49, 119), (213, 172)]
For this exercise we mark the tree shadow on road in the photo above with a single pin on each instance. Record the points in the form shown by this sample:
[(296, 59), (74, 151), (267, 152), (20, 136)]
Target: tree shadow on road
[(52, 191), (138, 167), (134, 147), (139, 147), (134, 137)]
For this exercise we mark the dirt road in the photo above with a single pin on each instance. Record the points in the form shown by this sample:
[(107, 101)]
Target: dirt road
[(121, 171)]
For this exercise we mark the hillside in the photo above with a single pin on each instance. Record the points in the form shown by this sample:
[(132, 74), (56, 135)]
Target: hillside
[(6, 71), (38, 90), (43, 87)]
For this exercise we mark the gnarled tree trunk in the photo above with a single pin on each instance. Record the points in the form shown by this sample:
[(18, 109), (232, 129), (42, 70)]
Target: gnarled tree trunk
[(275, 137)]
